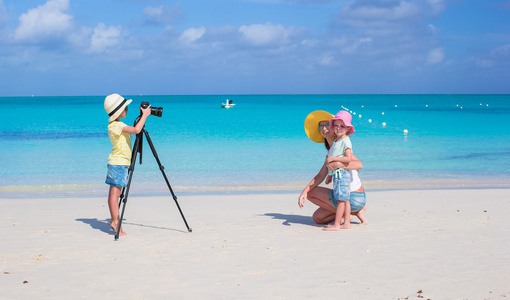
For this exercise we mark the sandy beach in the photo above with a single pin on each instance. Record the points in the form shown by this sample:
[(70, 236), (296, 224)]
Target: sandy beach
[(419, 244)]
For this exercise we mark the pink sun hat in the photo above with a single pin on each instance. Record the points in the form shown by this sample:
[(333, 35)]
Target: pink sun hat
[(346, 118)]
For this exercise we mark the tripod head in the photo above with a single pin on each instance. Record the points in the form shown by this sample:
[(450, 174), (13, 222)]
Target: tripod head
[(155, 111)]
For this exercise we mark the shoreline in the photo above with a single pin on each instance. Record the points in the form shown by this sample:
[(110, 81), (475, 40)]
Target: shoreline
[(430, 244), (152, 190)]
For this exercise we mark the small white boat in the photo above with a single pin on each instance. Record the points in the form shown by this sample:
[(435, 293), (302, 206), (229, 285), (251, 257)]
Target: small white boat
[(228, 104)]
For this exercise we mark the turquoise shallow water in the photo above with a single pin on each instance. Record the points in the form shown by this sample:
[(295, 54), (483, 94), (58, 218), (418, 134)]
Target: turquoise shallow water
[(260, 142)]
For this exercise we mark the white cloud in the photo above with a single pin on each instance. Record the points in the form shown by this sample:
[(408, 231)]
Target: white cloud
[(382, 13), (3, 14), (501, 52), (326, 59), (104, 38), (307, 2), (481, 62), (192, 34), (162, 14), (437, 6), (435, 56), (45, 21), (432, 28), (357, 45), (264, 34)]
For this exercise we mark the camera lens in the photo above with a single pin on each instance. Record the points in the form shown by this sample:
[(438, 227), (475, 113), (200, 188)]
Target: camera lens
[(157, 111)]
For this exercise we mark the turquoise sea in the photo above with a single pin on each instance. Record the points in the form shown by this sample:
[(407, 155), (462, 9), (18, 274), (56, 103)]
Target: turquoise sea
[(59, 145)]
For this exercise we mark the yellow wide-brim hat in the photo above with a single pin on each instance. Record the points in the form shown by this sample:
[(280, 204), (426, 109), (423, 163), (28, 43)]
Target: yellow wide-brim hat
[(312, 124)]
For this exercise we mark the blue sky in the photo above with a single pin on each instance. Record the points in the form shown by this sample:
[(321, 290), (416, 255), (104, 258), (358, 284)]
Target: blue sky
[(96, 47)]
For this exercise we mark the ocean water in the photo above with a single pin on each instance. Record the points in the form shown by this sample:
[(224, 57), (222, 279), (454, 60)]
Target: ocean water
[(62, 142)]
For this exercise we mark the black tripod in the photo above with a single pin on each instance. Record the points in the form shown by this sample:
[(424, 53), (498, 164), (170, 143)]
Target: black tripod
[(137, 148)]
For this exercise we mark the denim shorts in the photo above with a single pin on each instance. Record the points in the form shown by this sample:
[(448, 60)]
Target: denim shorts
[(342, 185), (358, 200), (117, 175)]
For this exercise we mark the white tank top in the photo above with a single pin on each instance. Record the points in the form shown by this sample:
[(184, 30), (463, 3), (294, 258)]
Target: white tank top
[(355, 181)]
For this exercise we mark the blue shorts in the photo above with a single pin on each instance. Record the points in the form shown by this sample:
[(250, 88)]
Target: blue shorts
[(117, 175), (342, 185), (358, 200)]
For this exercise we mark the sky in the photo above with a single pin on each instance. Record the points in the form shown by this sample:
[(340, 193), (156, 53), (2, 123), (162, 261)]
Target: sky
[(223, 47)]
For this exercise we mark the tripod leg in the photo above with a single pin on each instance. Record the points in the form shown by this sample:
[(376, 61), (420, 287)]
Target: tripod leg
[(121, 197), (153, 149), (126, 189)]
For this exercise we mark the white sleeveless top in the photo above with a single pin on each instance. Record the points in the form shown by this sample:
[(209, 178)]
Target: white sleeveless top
[(355, 181)]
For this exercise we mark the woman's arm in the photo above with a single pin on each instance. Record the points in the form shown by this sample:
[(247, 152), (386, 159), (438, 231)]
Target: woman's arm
[(315, 182)]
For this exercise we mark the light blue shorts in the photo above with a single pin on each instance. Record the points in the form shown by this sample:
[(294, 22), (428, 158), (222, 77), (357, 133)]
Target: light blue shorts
[(342, 185), (358, 200), (117, 175)]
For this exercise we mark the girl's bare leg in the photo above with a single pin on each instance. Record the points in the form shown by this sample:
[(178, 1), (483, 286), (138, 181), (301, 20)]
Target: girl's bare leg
[(113, 205), (338, 217), (347, 216)]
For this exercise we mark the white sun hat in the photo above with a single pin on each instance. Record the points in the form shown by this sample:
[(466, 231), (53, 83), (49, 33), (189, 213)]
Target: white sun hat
[(114, 105)]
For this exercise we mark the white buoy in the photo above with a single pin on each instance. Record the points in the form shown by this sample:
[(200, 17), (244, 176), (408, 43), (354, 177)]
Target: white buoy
[(427, 105), (384, 124), (487, 104), (383, 113), (362, 106), (354, 113), (405, 131), (369, 120), (359, 116), (395, 105)]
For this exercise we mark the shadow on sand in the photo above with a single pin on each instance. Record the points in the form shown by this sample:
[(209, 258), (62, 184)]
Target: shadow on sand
[(104, 225), (288, 220)]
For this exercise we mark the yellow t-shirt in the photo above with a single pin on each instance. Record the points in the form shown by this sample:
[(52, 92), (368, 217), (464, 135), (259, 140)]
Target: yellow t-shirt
[(121, 142)]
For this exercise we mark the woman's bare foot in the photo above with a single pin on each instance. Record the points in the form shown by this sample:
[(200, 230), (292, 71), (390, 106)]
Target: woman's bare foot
[(361, 216)]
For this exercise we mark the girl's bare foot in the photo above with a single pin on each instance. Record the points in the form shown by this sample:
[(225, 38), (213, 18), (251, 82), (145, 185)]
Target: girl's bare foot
[(332, 228), (114, 225)]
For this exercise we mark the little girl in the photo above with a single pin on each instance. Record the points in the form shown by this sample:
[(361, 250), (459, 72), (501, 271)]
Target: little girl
[(119, 160), (341, 151)]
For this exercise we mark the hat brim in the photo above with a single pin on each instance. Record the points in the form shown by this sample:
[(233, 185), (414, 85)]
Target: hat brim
[(312, 124), (351, 130), (119, 111)]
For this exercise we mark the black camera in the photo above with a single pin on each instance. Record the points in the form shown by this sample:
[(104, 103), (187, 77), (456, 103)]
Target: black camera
[(155, 111)]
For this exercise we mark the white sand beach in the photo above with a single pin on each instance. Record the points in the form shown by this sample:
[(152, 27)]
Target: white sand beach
[(418, 244)]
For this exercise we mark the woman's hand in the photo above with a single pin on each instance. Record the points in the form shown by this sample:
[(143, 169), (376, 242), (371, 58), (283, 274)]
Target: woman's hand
[(328, 179), (302, 199)]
